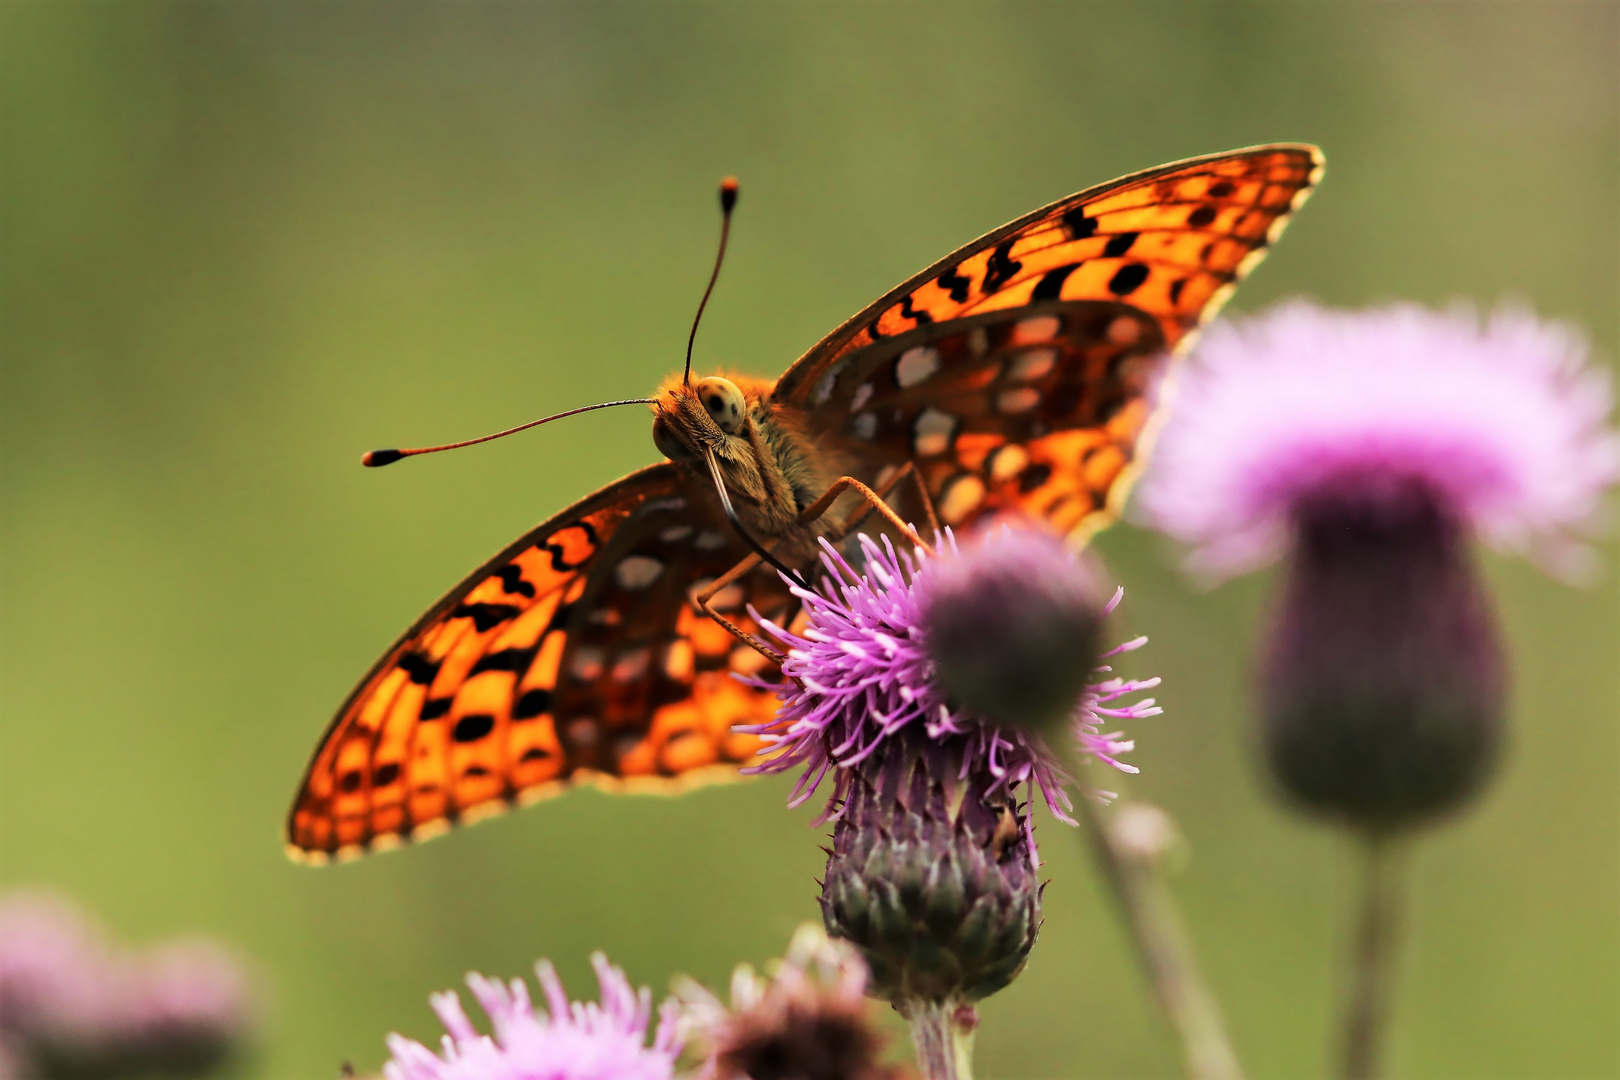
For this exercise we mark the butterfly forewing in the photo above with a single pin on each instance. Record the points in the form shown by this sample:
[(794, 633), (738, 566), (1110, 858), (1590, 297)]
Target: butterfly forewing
[(1169, 241), (574, 654)]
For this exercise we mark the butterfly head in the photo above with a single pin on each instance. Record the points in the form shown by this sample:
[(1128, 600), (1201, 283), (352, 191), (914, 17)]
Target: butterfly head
[(691, 419)]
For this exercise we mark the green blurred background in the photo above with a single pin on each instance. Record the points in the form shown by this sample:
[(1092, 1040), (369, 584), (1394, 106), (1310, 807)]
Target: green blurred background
[(245, 242)]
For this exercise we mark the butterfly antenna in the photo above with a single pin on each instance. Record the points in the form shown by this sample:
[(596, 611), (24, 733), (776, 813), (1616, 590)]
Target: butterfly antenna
[(728, 203), (377, 458), (736, 523)]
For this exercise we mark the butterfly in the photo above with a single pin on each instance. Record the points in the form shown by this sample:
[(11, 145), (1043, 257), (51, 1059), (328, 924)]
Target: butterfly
[(1016, 375)]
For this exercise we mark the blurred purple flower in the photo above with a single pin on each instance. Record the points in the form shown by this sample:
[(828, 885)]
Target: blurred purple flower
[(574, 1041), (863, 670), (73, 1005), (1371, 447), (1502, 417)]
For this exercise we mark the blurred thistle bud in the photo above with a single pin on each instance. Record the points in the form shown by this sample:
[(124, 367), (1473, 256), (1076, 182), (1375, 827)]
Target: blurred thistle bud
[(1383, 683), (72, 1007), (1014, 628), (810, 1020), (1371, 447)]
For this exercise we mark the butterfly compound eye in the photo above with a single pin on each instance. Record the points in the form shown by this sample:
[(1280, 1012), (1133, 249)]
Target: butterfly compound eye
[(723, 402)]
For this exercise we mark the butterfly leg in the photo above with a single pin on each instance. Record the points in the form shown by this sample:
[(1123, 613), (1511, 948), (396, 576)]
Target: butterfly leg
[(874, 501), (908, 470), (701, 599)]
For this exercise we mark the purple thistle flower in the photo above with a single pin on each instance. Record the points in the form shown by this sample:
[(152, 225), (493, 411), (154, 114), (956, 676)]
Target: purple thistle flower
[(866, 667), (573, 1041), (1370, 446), (1502, 417), (73, 1004)]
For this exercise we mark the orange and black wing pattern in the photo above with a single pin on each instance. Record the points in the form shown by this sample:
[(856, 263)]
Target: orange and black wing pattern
[(1019, 372), (575, 655), (1170, 241)]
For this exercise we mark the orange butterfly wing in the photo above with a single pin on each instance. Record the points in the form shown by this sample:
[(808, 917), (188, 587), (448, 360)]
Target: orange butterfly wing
[(574, 655), (1017, 372)]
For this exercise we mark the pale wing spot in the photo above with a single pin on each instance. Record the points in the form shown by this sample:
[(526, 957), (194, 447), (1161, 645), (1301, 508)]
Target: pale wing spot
[(668, 502), (675, 534), (864, 426), (887, 473), (1035, 330), (679, 662), (586, 663), (709, 540), (1250, 261), (632, 665), (978, 341), (746, 660), (605, 616), (1007, 462), (583, 731), (863, 394), (1032, 365), (960, 498), (916, 365), (1019, 400), (824, 385), (1124, 330), (637, 571), (729, 598), (932, 432)]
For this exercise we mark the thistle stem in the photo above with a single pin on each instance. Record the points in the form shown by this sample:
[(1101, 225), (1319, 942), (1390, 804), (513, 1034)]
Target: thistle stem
[(1166, 953), (1372, 970), (943, 1032)]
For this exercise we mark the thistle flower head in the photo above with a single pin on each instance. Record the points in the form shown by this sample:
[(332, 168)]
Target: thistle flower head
[(74, 1004), (872, 663), (571, 1041), (1502, 417), (1371, 447)]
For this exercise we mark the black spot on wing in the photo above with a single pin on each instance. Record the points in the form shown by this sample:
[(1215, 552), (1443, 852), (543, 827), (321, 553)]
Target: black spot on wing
[(1127, 278), (472, 727), (1119, 245), (1050, 287), (420, 669), (955, 284), (511, 577), (533, 703), (433, 708), (386, 774), (1079, 226), (1002, 267), (485, 616), (1201, 216), (514, 660), (921, 318)]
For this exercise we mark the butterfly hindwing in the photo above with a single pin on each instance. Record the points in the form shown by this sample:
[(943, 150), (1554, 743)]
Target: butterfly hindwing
[(1170, 241), (1036, 410), (572, 655)]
